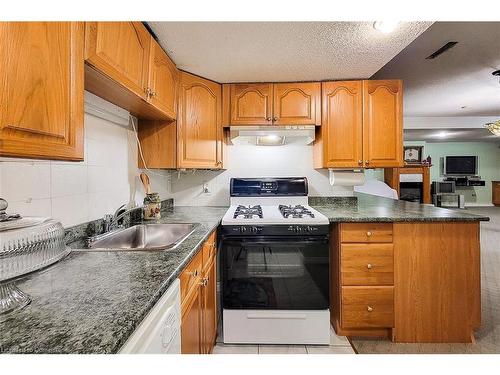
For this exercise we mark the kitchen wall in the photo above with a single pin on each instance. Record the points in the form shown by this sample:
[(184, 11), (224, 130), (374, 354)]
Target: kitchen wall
[(489, 165), (254, 161), (76, 192)]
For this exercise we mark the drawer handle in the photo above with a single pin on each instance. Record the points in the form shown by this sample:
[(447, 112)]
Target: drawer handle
[(369, 308), (369, 266), (369, 234)]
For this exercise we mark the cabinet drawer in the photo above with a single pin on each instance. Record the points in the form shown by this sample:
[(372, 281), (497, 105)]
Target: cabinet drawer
[(367, 307), (367, 264), (191, 275), (209, 249), (366, 232)]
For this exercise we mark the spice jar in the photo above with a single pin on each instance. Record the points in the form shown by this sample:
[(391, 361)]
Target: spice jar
[(152, 206)]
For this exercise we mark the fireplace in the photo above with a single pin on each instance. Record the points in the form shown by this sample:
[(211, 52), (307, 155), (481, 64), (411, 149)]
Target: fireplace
[(411, 191)]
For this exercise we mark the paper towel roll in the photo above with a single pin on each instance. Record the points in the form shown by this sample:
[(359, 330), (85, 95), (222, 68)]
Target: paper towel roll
[(346, 178)]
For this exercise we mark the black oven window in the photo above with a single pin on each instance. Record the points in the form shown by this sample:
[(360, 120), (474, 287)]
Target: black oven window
[(284, 276)]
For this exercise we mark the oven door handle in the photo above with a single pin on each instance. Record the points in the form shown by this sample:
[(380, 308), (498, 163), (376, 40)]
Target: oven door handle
[(275, 241), (275, 316)]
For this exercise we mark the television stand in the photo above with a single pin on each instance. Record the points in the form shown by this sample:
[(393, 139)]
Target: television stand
[(466, 181)]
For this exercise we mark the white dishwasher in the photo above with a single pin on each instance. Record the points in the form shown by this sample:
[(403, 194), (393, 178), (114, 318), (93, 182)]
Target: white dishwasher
[(160, 331)]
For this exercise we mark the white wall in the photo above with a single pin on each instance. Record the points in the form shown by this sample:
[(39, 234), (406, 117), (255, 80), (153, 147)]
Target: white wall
[(253, 161), (76, 192)]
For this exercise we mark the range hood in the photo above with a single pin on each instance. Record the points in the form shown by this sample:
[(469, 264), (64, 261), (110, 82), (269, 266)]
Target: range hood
[(272, 135)]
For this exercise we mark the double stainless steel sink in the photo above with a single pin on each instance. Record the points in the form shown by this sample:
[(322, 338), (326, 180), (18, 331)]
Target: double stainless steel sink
[(142, 237)]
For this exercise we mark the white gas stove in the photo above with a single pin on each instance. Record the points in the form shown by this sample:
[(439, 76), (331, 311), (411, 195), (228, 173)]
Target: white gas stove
[(274, 264)]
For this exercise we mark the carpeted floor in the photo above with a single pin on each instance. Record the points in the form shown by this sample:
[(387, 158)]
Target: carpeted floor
[(488, 336)]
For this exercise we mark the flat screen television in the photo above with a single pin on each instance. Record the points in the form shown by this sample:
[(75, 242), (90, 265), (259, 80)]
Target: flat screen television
[(460, 165)]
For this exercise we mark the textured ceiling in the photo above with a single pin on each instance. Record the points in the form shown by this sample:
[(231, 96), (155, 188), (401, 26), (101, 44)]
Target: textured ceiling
[(450, 135), (282, 51), (460, 77)]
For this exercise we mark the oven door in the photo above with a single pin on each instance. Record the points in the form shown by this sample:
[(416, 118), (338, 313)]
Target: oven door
[(275, 273)]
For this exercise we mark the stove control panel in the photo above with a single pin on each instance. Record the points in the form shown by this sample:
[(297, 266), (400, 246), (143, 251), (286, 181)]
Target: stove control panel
[(303, 229), (274, 230)]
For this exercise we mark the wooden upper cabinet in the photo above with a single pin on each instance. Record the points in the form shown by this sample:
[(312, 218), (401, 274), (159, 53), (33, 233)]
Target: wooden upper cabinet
[(251, 104), (383, 123), (120, 50), (342, 124), (41, 90), (297, 103), (198, 123), (162, 81)]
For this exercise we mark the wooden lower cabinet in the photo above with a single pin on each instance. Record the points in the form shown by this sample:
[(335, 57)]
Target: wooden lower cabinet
[(209, 309), (199, 301), (191, 323), (421, 284)]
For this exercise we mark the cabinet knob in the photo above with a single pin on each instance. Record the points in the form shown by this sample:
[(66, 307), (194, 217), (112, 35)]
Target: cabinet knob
[(360, 162), (369, 266), (153, 94), (268, 118), (204, 282), (367, 162), (369, 234), (275, 119), (369, 308)]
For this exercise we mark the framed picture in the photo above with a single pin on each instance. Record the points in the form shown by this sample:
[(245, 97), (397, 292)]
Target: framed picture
[(413, 154)]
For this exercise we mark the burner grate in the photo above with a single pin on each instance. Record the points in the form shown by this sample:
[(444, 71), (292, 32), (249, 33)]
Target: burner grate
[(248, 212), (296, 212)]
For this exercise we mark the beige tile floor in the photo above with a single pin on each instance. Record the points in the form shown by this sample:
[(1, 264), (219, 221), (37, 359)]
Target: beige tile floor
[(338, 345)]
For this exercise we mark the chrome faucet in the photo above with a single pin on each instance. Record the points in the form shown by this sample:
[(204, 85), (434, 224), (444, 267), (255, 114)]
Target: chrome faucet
[(112, 221)]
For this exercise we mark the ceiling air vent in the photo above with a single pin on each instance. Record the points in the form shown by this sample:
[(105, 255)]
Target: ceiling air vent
[(443, 49)]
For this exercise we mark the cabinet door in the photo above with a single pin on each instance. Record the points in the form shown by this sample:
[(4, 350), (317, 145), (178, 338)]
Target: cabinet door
[(209, 309), (297, 103), (121, 51), (383, 123), (251, 104), (41, 90), (162, 81), (191, 323), (198, 123), (342, 124), (496, 192)]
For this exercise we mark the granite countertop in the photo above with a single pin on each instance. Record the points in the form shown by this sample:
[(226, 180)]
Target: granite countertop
[(91, 302), (368, 208)]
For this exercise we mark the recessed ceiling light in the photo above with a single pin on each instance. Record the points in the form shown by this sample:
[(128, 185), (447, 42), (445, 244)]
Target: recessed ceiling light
[(463, 107), (385, 26)]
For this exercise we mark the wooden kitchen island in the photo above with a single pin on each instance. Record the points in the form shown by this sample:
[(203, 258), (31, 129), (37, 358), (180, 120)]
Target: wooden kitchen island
[(404, 271)]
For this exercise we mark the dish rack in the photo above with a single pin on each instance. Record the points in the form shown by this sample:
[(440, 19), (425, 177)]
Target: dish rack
[(26, 245)]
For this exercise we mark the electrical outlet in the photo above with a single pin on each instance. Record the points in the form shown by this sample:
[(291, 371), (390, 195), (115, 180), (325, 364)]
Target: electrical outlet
[(205, 189)]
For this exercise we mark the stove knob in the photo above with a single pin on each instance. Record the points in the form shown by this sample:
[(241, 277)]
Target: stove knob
[(299, 229), (254, 229), (243, 229), (291, 228), (308, 229)]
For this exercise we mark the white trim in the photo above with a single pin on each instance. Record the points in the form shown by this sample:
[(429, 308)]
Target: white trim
[(447, 122)]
